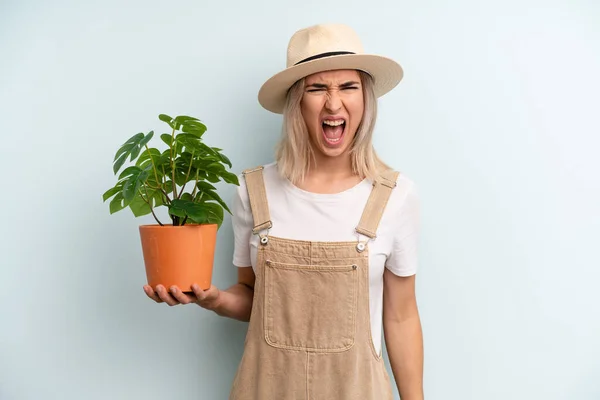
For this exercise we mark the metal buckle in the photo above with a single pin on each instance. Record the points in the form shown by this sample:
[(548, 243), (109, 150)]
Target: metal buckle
[(385, 182), (266, 225)]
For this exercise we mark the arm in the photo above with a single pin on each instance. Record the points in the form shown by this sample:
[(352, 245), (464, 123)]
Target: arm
[(236, 302), (403, 335)]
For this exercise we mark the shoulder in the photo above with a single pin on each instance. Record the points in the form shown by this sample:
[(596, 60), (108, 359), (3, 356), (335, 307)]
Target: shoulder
[(401, 217), (404, 195)]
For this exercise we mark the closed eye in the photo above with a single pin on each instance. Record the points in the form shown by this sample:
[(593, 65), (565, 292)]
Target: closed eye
[(345, 86), (342, 88)]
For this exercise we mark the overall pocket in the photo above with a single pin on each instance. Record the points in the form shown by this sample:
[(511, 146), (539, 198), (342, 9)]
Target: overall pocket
[(310, 307)]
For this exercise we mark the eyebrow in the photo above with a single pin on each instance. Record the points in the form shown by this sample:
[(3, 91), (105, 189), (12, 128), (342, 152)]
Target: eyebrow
[(324, 86)]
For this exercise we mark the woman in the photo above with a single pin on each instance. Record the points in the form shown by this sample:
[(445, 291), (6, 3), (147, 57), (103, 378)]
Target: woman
[(325, 238)]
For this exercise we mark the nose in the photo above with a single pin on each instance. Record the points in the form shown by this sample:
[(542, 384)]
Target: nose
[(334, 102)]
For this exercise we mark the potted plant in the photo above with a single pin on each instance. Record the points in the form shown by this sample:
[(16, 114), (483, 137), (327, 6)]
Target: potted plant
[(181, 252)]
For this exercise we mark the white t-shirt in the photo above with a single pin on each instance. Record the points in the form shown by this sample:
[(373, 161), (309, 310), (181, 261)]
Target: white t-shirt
[(301, 215)]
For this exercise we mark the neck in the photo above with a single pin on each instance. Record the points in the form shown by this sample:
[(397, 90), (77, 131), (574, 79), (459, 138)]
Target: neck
[(331, 167), (330, 175)]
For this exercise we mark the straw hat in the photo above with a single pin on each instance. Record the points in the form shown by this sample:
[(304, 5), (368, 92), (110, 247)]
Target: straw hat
[(327, 47)]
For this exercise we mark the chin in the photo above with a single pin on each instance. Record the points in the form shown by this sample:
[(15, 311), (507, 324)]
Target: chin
[(334, 152)]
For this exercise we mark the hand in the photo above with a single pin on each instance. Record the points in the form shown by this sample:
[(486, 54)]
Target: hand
[(208, 299)]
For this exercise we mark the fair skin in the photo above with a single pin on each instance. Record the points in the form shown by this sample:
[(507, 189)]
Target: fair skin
[(330, 98)]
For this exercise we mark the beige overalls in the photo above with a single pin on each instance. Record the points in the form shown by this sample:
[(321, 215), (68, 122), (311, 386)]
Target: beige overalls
[(309, 336)]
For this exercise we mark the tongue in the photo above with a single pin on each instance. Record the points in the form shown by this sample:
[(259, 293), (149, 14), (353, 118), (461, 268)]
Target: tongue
[(333, 132)]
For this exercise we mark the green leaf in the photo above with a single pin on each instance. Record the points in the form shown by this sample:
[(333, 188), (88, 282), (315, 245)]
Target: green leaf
[(212, 178), (182, 119), (205, 186), (202, 163), (139, 207), (118, 203), (183, 208), (195, 128), (149, 156), (211, 195), (135, 177), (215, 167), (112, 191), (230, 178), (131, 148), (218, 170), (201, 213), (166, 160), (222, 157), (180, 177), (201, 175), (187, 196), (166, 118), (167, 138), (192, 143), (144, 141), (168, 186), (125, 151), (215, 213)]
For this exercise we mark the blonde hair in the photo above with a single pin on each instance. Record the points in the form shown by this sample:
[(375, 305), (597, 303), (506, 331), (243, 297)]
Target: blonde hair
[(294, 153)]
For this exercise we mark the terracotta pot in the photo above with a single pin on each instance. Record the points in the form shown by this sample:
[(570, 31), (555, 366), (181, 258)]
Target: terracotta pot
[(179, 255)]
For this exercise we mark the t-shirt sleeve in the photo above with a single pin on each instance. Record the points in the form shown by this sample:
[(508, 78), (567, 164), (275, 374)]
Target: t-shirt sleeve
[(403, 257), (241, 220)]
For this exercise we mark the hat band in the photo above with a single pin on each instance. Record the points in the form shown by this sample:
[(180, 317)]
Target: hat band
[(322, 55)]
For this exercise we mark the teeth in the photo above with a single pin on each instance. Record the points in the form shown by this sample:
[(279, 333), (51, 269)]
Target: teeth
[(334, 123)]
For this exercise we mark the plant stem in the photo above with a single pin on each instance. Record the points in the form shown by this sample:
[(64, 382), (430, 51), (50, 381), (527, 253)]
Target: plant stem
[(187, 176), (162, 190), (147, 202), (165, 182), (173, 163), (168, 201), (196, 184)]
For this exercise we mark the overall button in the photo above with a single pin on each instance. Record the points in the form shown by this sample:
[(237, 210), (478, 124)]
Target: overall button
[(264, 240), (360, 247)]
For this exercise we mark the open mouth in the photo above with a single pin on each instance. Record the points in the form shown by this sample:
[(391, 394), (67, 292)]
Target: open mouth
[(333, 131)]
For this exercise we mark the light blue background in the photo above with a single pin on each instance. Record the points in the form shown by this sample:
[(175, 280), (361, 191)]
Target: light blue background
[(496, 121)]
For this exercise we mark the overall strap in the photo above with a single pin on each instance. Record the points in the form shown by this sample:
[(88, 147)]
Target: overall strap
[(382, 189), (255, 186)]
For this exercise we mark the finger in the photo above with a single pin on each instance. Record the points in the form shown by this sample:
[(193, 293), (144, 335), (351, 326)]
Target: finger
[(180, 296), (205, 297), (198, 292), (152, 294), (211, 293), (165, 296)]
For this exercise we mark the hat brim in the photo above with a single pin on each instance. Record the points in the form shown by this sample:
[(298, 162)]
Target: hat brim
[(386, 74)]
